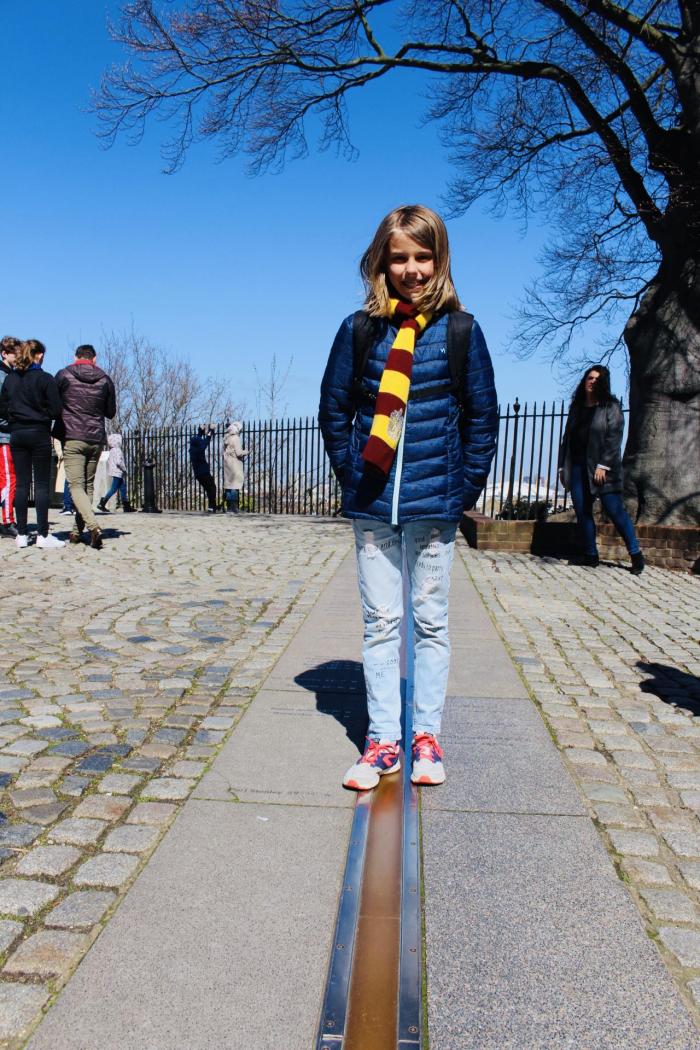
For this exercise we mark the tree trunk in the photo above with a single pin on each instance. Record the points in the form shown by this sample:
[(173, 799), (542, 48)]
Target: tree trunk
[(662, 456)]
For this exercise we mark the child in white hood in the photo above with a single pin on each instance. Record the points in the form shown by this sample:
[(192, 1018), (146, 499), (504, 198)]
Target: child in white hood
[(116, 469)]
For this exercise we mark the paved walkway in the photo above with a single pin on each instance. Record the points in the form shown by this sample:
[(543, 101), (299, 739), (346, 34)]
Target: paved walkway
[(213, 690)]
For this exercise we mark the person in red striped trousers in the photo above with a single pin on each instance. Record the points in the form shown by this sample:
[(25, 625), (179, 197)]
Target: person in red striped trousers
[(8, 347)]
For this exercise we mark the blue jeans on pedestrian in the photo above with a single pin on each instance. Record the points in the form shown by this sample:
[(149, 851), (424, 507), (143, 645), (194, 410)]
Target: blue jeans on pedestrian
[(67, 498), (429, 547), (118, 485), (582, 499)]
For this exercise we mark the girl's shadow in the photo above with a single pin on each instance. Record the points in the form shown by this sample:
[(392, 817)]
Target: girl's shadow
[(339, 686)]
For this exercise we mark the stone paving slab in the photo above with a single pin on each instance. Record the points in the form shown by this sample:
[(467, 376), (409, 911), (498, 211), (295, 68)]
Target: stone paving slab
[(500, 758), (223, 941), (534, 942), (305, 770), (479, 666)]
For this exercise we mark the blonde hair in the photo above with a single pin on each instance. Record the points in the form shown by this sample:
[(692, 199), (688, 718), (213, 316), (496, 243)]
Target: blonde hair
[(27, 352), (427, 228)]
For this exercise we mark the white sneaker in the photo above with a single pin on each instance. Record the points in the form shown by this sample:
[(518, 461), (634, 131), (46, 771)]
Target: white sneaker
[(380, 757), (426, 755), (49, 543), (22, 541), (66, 512)]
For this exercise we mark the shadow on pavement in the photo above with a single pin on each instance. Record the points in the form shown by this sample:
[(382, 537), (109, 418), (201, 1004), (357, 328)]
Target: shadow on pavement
[(339, 686), (672, 686)]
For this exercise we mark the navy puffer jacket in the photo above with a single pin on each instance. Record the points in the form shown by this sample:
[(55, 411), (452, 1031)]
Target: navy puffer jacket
[(438, 471)]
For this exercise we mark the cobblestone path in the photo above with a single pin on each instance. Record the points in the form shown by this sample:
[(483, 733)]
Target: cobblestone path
[(613, 661), (121, 674)]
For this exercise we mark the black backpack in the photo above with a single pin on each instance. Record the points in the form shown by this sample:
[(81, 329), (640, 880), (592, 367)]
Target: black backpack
[(367, 330)]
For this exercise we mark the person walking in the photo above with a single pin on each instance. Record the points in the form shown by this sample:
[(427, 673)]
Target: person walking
[(29, 400), (411, 446), (8, 349), (88, 397), (199, 443), (116, 469), (590, 463), (234, 454)]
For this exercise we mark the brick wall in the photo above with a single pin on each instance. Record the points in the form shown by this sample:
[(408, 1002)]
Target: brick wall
[(668, 546)]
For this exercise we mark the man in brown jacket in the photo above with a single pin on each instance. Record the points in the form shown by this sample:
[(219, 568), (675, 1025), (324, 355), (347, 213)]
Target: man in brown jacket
[(88, 397)]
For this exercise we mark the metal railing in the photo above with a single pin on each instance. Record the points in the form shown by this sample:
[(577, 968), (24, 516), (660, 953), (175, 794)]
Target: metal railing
[(287, 471)]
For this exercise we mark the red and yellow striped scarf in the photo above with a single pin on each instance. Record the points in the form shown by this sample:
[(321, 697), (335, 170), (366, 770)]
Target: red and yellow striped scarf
[(394, 386)]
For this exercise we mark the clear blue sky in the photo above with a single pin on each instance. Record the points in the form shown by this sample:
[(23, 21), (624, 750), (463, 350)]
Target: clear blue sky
[(210, 263)]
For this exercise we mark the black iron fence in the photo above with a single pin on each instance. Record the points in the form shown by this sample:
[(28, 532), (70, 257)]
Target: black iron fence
[(287, 471)]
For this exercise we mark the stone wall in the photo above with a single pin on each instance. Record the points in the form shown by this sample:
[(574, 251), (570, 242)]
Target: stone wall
[(668, 546)]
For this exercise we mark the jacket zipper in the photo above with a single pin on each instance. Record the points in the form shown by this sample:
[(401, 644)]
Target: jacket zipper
[(397, 475)]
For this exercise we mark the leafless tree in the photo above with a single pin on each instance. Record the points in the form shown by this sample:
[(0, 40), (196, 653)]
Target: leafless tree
[(586, 109), (270, 390), (156, 390), (160, 400)]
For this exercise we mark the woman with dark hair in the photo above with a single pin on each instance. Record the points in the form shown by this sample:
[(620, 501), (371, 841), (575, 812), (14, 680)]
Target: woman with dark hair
[(30, 401), (590, 463)]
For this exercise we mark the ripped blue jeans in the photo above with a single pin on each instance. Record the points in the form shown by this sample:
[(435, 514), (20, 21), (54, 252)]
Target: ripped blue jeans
[(429, 552)]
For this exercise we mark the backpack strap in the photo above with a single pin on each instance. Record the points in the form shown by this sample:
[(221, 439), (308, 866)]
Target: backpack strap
[(459, 338), (365, 332)]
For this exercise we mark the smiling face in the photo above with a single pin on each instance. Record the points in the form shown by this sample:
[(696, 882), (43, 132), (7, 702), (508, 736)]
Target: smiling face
[(409, 266)]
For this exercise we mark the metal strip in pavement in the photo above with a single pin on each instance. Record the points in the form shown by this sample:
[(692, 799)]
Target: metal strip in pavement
[(335, 1004), (410, 954)]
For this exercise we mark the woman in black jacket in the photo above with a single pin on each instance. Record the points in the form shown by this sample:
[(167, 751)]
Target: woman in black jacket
[(30, 401), (590, 463)]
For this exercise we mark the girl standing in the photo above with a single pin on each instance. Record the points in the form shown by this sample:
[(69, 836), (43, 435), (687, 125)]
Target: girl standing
[(590, 463), (411, 448), (30, 401)]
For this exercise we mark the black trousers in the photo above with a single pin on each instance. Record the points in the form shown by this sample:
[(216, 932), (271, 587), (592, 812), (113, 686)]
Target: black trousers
[(209, 485), (31, 451)]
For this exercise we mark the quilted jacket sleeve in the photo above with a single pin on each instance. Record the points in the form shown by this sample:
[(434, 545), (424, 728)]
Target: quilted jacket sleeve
[(480, 422), (336, 410)]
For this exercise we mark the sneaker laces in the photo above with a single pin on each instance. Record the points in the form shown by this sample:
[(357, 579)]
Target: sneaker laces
[(376, 750), (426, 746)]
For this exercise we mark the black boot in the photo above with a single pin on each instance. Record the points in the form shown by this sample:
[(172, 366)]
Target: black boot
[(102, 505), (591, 560), (127, 508), (638, 564)]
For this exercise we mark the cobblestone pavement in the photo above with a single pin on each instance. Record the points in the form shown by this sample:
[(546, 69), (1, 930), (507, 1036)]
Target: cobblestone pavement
[(122, 672), (613, 661)]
